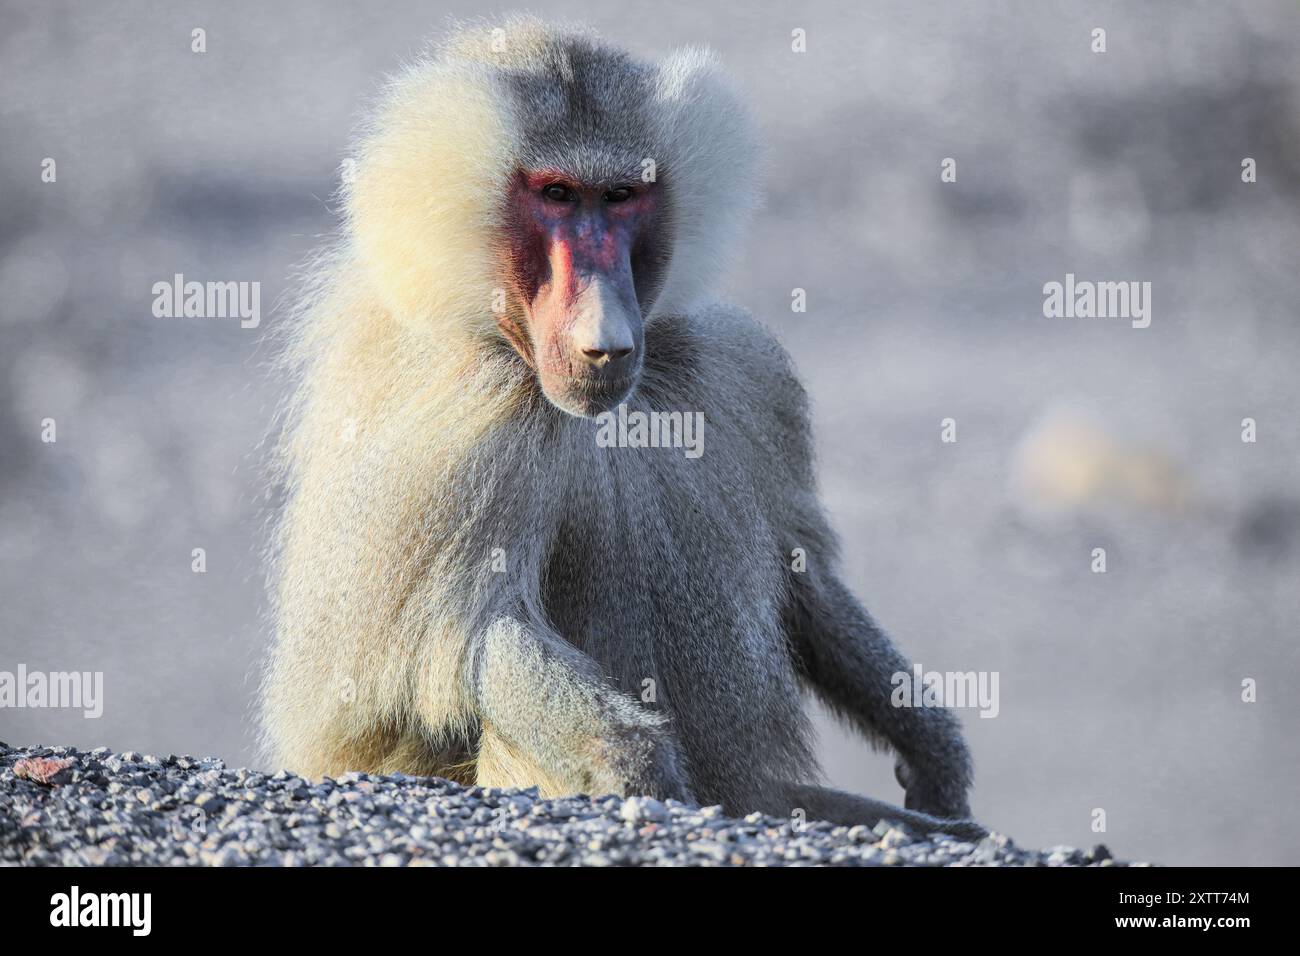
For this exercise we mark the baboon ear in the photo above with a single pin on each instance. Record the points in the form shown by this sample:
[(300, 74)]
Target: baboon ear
[(711, 163)]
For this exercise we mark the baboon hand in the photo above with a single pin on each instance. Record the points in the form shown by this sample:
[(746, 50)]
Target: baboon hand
[(930, 794), (642, 761)]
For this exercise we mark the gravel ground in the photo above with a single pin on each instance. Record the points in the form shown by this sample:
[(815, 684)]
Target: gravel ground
[(60, 806)]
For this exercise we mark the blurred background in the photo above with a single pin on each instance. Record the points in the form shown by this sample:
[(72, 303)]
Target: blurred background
[(1119, 691)]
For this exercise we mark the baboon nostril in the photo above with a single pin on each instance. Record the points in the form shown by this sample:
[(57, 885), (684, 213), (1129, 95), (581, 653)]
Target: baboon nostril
[(600, 357)]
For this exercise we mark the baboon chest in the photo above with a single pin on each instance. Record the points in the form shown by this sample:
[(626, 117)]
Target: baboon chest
[(659, 572)]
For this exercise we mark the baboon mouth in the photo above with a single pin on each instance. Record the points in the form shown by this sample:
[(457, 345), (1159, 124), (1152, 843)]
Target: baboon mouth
[(594, 384), (601, 389), (587, 397)]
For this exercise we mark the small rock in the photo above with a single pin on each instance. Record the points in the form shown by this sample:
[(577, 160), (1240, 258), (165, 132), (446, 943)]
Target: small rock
[(642, 809), (45, 770)]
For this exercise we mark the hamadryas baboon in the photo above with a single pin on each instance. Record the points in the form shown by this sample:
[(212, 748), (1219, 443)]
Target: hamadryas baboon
[(468, 583)]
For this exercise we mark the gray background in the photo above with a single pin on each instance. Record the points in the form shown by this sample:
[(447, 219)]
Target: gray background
[(1118, 690)]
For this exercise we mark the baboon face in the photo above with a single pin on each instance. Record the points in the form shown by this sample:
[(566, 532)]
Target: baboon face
[(584, 259)]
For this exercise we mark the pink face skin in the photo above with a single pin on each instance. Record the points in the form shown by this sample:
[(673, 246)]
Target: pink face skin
[(579, 255)]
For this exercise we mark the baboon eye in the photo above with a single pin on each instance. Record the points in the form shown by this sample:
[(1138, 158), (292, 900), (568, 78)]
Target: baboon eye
[(558, 192), (619, 194)]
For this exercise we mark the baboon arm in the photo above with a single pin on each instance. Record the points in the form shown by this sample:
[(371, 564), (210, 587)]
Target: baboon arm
[(850, 662), (553, 709)]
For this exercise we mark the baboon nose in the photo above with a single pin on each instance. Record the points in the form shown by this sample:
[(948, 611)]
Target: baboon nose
[(602, 357)]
